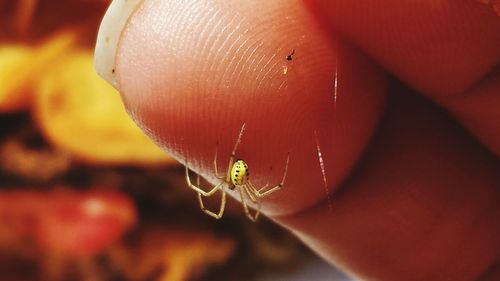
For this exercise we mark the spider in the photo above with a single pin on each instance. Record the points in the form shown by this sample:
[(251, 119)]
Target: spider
[(237, 177)]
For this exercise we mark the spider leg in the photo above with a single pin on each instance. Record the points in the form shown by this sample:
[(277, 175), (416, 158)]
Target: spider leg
[(222, 204), (264, 187), (253, 217), (238, 140), (254, 190), (260, 194), (250, 193), (198, 189), (209, 193), (215, 164)]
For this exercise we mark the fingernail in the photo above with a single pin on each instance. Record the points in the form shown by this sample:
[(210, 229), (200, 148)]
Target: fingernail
[(112, 26)]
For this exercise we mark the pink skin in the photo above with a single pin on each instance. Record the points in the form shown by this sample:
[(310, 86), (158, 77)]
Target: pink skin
[(413, 195)]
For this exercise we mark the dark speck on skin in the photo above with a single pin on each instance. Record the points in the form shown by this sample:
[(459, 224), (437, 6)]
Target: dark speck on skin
[(290, 56)]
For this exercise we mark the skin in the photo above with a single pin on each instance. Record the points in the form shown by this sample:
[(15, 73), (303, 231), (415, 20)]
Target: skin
[(410, 149)]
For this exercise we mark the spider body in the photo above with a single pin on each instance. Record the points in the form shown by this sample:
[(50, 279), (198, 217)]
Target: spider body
[(237, 177), (239, 173)]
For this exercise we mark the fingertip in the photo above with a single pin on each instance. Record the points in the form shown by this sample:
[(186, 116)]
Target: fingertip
[(195, 75)]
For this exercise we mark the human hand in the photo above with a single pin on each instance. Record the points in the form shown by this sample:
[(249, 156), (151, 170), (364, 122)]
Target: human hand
[(411, 167)]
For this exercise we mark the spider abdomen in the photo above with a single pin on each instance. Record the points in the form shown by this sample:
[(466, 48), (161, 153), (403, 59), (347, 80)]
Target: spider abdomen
[(239, 172)]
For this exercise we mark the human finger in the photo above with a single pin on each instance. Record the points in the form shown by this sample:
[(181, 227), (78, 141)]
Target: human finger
[(193, 73), (447, 50)]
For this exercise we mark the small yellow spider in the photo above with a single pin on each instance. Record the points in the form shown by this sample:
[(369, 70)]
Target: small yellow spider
[(238, 176)]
